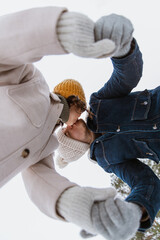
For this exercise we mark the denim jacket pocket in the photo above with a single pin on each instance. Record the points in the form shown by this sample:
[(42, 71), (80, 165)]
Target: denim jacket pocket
[(145, 150), (142, 106)]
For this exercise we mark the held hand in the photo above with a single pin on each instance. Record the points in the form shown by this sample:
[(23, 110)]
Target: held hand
[(116, 219), (76, 35), (117, 28), (75, 205)]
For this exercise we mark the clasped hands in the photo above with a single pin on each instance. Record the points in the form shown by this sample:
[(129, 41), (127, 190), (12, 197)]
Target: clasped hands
[(110, 36)]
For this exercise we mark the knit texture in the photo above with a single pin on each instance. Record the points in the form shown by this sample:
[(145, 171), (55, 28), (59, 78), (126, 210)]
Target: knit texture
[(69, 87), (76, 33), (75, 204), (99, 211), (117, 28), (69, 150)]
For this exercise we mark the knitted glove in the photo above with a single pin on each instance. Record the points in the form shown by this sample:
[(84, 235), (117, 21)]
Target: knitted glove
[(96, 211), (116, 28), (120, 219), (116, 219), (75, 205), (76, 35)]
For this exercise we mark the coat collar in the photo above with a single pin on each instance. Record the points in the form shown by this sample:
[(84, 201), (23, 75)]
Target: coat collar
[(55, 97), (65, 111)]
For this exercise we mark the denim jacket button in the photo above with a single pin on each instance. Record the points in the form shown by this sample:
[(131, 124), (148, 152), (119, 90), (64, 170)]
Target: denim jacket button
[(155, 126), (118, 129), (145, 103), (97, 141)]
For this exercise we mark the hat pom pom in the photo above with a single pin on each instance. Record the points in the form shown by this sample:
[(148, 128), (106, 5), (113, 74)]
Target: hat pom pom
[(61, 162)]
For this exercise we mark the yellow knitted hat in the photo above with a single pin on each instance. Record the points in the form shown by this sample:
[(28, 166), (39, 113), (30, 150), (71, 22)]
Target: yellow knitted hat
[(70, 87)]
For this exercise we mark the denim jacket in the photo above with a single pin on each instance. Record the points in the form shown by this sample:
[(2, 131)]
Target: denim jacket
[(130, 126)]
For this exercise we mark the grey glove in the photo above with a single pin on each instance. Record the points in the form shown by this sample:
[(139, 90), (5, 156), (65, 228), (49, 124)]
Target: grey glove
[(85, 234), (116, 28), (96, 211), (76, 34), (116, 219)]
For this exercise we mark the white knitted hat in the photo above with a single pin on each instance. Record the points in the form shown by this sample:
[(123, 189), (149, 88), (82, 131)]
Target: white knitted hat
[(69, 149)]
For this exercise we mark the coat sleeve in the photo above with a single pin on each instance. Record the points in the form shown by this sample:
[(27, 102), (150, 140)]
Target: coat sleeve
[(44, 186), (27, 36), (126, 75)]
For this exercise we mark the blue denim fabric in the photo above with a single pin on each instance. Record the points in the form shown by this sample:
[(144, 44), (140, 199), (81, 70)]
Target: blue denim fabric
[(144, 184), (130, 126), (123, 146)]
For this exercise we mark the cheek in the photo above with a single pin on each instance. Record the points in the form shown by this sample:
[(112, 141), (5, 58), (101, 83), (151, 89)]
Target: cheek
[(78, 134), (75, 135)]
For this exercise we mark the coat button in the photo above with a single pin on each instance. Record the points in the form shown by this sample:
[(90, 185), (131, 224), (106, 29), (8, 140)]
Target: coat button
[(97, 141), (25, 153)]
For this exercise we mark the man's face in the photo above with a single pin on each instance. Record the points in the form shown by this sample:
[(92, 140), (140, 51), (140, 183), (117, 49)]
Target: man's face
[(77, 131)]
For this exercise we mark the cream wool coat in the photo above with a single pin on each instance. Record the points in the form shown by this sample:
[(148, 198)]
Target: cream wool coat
[(28, 111)]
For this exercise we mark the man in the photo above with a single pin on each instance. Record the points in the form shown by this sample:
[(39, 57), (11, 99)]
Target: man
[(29, 114), (121, 127)]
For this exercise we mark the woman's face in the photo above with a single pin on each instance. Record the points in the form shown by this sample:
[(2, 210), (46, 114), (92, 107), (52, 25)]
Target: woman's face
[(74, 114), (77, 131)]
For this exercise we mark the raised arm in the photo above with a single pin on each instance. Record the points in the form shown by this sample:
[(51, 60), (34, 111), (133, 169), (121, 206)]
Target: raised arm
[(92, 209), (127, 60), (145, 187), (44, 186), (27, 36)]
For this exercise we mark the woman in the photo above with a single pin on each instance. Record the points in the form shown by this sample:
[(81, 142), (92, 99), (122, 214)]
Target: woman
[(29, 114)]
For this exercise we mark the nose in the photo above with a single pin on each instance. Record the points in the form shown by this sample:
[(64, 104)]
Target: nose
[(65, 130)]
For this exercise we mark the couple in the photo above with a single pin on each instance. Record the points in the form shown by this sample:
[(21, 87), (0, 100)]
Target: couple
[(121, 127), (30, 114)]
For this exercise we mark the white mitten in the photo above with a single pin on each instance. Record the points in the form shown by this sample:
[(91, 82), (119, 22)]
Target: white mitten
[(76, 203), (76, 35), (117, 28)]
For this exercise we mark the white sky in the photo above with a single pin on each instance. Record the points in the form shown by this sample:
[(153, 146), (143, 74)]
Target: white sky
[(19, 218)]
